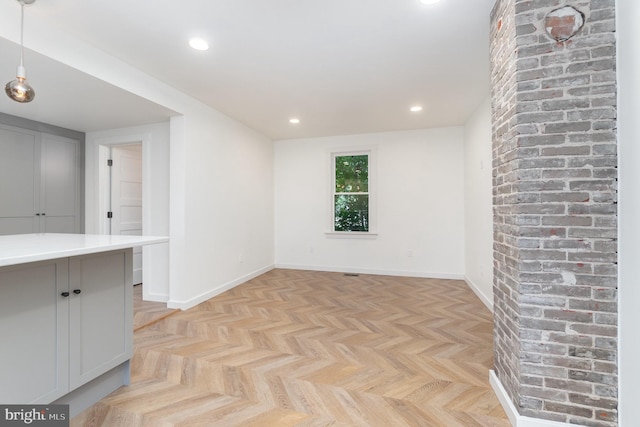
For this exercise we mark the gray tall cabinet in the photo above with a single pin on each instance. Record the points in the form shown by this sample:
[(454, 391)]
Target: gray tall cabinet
[(40, 182)]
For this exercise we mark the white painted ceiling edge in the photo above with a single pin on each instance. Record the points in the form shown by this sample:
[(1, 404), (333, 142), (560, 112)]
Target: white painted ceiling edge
[(342, 66), (56, 62)]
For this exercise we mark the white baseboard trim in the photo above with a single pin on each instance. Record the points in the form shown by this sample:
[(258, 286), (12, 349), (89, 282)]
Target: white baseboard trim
[(504, 399), (157, 298), (357, 270), (515, 418), (185, 305), (476, 290)]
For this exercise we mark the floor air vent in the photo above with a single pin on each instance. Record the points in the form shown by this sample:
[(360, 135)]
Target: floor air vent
[(351, 274)]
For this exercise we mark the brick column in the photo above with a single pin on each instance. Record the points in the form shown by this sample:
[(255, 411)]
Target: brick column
[(555, 224)]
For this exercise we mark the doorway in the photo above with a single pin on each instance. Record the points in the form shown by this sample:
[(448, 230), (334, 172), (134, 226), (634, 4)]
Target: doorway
[(122, 196), (154, 140)]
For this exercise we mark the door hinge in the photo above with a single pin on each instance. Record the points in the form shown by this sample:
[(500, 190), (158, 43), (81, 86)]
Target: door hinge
[(109, 214), (110, 162)]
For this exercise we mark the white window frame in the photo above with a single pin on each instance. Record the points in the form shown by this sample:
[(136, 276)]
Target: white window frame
[(371, 152)]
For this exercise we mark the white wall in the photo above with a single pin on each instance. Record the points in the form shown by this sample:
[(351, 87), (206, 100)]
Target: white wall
[(155, 171), (221, 173), (478, 216), (419, 205), (628, 15), (228, 207)]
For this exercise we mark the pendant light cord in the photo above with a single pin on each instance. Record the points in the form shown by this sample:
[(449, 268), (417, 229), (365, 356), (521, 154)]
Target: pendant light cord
[(21, 33)]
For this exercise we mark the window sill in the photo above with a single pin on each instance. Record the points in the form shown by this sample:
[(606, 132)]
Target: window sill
[(351, 235)]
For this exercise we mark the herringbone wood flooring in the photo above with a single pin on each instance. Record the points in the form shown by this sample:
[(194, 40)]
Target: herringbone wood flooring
[(300, 348), (145, 313)]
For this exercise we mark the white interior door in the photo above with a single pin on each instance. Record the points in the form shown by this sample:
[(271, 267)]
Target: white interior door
[(126, 198)]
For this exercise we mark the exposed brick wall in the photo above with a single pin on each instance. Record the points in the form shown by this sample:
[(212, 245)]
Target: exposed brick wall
[(506, 253), (555, 218)]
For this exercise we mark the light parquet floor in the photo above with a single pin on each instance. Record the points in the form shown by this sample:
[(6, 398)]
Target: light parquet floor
[(146, 313), (300, 348)]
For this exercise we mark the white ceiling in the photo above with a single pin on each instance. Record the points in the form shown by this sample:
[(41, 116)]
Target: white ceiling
[(97, 106), (341, 66)]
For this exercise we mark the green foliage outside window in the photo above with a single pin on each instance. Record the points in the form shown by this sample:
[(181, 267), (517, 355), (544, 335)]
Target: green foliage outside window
[(351, 198)]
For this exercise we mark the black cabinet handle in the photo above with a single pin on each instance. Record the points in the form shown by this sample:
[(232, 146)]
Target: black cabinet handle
[(37, 214), (43, 214), (77, 291), (65, 294)]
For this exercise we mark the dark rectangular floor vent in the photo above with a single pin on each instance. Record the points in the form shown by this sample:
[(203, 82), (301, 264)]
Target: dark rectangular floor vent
[(351, 274)]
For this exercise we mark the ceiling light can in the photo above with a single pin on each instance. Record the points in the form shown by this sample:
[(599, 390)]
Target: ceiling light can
[(199, 44), (294, 120)]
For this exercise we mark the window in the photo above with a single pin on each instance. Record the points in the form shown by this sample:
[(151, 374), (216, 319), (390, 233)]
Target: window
[(351, 196)]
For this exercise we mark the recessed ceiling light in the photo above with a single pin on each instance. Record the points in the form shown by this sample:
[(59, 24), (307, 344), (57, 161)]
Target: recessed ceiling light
[(429, 1), (198, 44), (294, 121), (416, 109)]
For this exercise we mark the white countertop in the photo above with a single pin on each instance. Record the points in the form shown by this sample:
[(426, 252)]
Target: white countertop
[(23, 248)]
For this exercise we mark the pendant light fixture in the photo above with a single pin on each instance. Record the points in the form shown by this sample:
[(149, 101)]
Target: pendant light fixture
[(19, 90)]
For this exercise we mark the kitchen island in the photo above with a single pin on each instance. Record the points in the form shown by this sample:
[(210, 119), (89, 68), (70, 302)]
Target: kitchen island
[(66, 317)]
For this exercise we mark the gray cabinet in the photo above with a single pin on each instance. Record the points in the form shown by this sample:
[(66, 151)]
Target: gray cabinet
[(39, 182), (59, 184), (63, 323), (19, 181), (101, 316), (34, 358)]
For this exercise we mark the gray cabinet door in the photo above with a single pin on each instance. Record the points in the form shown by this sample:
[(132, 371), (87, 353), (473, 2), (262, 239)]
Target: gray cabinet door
[(101, 315), (60, 189), (19, 181), (34, 332), (39, 182)]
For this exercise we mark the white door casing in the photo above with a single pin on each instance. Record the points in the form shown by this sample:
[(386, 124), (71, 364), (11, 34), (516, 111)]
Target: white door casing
[(155, 194)]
